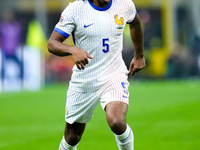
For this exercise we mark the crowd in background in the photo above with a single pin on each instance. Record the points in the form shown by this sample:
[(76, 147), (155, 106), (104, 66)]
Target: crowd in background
[(182, 61)]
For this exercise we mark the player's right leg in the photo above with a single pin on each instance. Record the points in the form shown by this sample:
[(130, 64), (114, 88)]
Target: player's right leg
[(72, 136), (80, 107)]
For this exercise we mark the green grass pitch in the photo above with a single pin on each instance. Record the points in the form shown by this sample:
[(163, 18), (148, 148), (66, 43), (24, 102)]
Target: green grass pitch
[(164, 115)]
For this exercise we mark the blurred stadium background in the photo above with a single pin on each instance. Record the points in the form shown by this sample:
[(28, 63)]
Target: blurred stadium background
[(33, 82)]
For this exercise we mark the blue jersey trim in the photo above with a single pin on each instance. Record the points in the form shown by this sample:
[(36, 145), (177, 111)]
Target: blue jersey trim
[(101, 9), (133, 19), (62, 32)]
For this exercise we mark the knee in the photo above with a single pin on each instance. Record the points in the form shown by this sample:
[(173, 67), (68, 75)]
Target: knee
[(73, 133), (117, 125), (72, 139)]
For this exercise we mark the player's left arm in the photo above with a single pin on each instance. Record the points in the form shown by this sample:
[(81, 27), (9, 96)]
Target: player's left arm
[(138, 62)]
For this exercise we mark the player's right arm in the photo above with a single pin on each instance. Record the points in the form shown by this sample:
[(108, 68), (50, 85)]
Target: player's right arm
[(56, 47)]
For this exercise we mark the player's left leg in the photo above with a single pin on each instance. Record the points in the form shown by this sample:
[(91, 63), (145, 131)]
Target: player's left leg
[(116, 118)]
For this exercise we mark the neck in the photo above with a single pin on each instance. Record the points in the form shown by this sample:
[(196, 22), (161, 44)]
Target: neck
[(99, 4)]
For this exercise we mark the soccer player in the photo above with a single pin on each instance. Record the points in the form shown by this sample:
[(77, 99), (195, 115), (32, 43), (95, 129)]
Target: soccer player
[(99, 74)]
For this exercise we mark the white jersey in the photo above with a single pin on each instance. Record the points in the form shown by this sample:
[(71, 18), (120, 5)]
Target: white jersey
[(99, 31)]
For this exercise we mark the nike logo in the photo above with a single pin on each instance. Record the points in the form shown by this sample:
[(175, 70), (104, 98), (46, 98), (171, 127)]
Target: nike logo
[(85, 26)]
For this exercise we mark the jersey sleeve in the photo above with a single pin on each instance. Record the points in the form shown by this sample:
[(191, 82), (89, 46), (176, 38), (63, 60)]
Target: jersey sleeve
[(131, 12), (66, 24)]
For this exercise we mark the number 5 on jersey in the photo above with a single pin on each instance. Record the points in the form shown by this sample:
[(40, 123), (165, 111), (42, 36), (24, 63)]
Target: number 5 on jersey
[(105, 45)]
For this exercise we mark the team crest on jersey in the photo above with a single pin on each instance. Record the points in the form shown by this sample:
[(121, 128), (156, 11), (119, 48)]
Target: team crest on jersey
[(61, 19), (119, 21)]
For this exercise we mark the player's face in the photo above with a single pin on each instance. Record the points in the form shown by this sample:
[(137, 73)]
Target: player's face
[(104, 3)]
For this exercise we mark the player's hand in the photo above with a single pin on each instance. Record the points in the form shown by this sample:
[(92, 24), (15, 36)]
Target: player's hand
[(80, 57), (137, 64)]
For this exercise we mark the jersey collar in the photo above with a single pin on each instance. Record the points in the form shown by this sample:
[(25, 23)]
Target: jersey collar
[(101, 9)]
